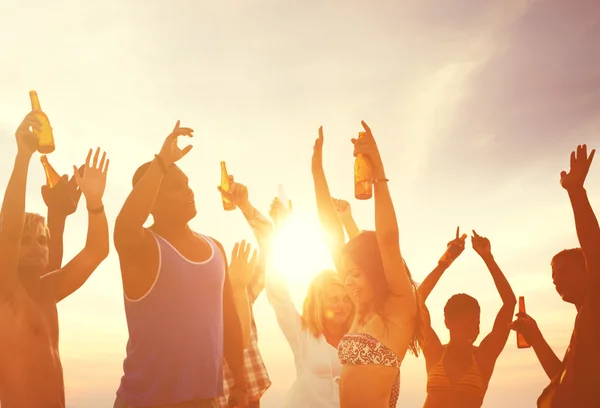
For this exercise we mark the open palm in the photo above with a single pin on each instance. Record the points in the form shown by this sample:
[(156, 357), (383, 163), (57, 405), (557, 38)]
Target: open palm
[(93, 181), (580, 165)]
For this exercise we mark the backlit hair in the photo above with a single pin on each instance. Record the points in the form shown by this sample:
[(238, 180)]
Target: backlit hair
[(32, 222), (312, 309), (364, 251), (459, 305), (573, 255)]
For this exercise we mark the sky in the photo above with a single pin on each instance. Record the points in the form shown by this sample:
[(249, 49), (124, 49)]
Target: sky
[(475, 106)]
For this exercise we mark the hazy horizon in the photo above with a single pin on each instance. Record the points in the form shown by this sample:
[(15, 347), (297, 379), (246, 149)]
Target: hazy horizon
[(476, 107)]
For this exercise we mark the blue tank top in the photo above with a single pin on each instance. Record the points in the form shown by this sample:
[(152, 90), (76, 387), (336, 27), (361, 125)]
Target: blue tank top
[(175, 346)]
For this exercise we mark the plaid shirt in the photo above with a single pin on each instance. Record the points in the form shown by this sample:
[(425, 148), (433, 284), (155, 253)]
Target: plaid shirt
[(256, 376)]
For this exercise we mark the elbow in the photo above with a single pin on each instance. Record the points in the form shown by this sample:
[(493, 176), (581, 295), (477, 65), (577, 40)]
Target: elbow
[(511, 302)]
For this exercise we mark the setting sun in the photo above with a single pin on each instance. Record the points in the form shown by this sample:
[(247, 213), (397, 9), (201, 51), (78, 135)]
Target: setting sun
[(299, 251)]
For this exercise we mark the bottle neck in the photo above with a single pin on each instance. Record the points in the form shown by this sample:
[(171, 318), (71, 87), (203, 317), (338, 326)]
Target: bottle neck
[(35, 101)]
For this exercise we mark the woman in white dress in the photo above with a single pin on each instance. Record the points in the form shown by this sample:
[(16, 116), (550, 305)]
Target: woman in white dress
[(313, 336)]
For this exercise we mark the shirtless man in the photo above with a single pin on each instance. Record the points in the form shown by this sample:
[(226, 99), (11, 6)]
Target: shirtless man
[(31, 372), (179, 303)]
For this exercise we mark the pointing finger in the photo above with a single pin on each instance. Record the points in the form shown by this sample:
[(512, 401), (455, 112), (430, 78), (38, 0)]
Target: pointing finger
[(457, 231), (366, 127)]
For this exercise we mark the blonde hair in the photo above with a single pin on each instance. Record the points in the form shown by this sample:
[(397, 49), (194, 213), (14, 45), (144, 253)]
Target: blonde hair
[(312, 309), (33, 221)]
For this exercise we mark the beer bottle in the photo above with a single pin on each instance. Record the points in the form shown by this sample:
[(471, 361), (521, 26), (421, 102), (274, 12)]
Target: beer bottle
[(363, 177), (521, 342), (52, 177), (228, 205), (46, 138)]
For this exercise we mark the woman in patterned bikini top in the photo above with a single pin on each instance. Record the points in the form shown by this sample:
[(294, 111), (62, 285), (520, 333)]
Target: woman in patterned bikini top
[(384, 295)]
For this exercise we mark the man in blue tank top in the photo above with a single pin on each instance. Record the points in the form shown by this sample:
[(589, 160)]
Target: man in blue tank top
[(180, 307)]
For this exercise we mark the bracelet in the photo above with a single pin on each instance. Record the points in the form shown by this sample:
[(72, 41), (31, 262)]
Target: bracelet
[(383, 180), (161, 164), (96, 211)]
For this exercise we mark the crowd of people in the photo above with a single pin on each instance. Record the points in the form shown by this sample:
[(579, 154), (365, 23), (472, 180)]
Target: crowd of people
[(193, 341)]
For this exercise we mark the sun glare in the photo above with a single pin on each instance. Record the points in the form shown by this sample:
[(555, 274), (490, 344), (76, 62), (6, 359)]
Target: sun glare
[(299, 251)]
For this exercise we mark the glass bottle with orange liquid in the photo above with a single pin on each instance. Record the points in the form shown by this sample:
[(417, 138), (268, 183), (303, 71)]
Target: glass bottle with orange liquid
[(45, 135), (521, 342), (52, 177), (363, 175), (228, 205)]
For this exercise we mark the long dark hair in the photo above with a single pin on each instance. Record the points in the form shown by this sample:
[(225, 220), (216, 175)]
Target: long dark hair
[(364, 251)]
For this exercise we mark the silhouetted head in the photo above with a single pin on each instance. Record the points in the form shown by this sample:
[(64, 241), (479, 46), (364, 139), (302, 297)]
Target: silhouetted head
[(462, 315), (327, 304), (34, 253), (365, 277), (174, 203), (568, 274)]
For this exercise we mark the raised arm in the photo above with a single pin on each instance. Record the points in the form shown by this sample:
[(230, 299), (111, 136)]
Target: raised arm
[(235, 340), (453, 250), (61, 200), (330, 222), (241, 271), (345, 213), (74, 274), (586, 222), (386, 226), (12, 215), (431, 345), (528, 327), (130, 236), (493, 344), (262, 229)]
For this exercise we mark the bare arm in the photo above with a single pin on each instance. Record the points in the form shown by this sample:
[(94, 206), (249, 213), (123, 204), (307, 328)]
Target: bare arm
[(432, 346), (588, 231), (493, 344), (237, 289), (330, 222), (352, 229), (70, 278), (56, 226), (430, 281), (12, 215), (130, 236), (75, 273), (386, 228), (233, 334)]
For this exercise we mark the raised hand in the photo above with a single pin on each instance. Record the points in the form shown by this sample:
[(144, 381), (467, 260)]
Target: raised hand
[(454, 248), (481, 245), (368, 147), (93, 181), (170, 152), (63, 198), (237, 194), (279, 212), (242, 264), (27, 140), (580, 165), (528, 327), (342, 207), (317, 157)]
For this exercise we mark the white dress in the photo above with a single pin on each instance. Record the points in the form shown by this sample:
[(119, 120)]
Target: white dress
[(317, 364)]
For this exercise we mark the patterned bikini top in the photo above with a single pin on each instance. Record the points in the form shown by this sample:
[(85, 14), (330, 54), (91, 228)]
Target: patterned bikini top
[(360, 348), (470, 383)]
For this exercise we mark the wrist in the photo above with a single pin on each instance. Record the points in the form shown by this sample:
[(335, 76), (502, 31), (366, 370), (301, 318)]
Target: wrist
[(93, 203), (245, 207), (23, 157), (576, 191), (487, 257)]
